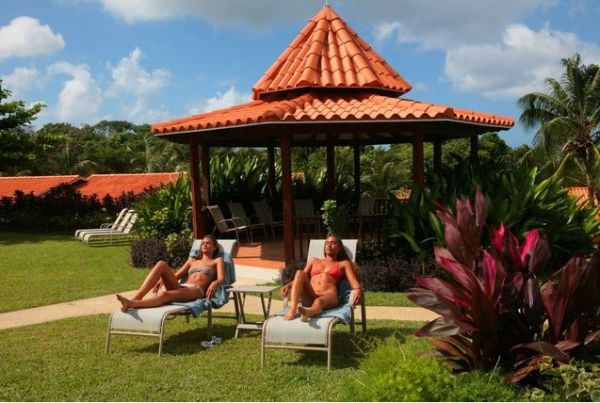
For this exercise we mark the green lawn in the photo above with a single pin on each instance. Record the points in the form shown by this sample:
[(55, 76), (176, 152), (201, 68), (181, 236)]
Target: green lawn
[(42, 269), (65, 360)]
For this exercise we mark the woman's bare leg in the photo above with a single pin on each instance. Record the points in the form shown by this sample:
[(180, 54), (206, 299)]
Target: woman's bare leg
[(326, 301), (300, 289), (181, 295), (160, 271)]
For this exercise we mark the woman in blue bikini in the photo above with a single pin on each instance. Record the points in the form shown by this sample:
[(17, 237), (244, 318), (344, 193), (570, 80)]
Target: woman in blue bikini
[(316, 285), (204, 275)]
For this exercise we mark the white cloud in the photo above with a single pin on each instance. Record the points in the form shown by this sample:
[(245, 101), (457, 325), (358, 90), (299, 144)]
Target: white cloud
[(21, 79), (137, 89), (518, 64), (80, 98), (222, 100), (25, 36), (257, 13)]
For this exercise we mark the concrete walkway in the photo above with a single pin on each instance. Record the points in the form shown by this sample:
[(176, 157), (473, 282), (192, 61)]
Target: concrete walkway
[(245, 275)]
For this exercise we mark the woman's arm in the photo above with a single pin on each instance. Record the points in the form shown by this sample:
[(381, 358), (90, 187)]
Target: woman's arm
[(212, 288), (353, 280), (184, 269)]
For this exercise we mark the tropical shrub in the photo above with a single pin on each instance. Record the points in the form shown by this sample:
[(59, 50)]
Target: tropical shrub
[(60, 209), (166, 211), (399, 372), (414, 223), (335, 218), (394, 273), (146, 252), (493, 309), (391, 372), (235, 178), (174, 250), (519, 198)]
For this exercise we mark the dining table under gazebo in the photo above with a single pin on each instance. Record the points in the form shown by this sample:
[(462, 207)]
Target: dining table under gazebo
[(328, 88)]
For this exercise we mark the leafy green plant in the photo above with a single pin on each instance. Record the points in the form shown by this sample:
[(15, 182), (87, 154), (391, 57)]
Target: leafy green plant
[(414, 222), (493, 308), (391, 372), (335, 218), (573, 381), (167, 210)]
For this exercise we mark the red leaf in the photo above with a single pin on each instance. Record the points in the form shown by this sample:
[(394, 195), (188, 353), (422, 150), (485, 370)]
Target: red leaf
[(444, 290), (440, 327), (543, 348)]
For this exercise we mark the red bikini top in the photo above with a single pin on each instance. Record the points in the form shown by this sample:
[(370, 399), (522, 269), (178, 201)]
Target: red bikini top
[(334, 272)]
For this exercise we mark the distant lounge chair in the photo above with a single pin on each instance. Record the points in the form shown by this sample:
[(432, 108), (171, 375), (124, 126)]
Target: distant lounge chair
[(151, 322), (118, 223), (227, 225), (316, 334), (237, 210), (263, 212), (111, 237)]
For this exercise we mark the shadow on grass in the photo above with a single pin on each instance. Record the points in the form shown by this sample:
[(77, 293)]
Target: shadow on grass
[(183, 343), (347, 350)]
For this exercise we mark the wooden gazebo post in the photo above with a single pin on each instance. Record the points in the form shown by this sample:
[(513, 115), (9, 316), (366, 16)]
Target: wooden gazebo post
[(418, 165), (437, 157), (197, 223), (286, 185), (271, 178)]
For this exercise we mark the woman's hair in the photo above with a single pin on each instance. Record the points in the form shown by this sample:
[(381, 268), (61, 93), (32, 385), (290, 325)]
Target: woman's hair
[(214, 241), (342, 255)]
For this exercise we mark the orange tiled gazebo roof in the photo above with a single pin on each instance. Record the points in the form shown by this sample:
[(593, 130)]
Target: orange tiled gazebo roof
[(312, 107), (328, 74), (327, 53)]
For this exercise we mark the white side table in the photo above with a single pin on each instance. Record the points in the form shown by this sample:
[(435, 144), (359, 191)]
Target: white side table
[(239, 295)]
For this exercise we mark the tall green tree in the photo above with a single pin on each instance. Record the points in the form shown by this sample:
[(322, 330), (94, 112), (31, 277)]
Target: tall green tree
[(15, 143), (568, 119)]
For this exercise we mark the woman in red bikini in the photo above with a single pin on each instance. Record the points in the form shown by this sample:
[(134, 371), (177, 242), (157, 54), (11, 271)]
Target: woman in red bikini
[(204, 275), (316, 286)]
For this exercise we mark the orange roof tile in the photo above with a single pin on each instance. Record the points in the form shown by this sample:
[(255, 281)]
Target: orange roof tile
[(326, 107), (327, 53), (36, 184), (117, 184)]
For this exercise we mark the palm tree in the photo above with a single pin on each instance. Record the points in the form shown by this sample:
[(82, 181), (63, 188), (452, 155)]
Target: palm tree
[(568, 117)]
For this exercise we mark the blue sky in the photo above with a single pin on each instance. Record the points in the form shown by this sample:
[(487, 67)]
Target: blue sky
[(150, 60)]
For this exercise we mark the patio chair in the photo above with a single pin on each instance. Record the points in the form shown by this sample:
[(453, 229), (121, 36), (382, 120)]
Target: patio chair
[(118, 225), (112, 237), (150, 322), (228, 225), (365, 210), (237, 210), (315, 335), (263, 212)]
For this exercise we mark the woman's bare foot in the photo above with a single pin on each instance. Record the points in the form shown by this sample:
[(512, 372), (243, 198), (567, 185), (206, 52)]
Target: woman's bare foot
[(303, 313), (125, 303), (290, 314)]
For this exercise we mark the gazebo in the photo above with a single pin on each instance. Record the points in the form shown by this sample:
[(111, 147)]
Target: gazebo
[(328, 88)]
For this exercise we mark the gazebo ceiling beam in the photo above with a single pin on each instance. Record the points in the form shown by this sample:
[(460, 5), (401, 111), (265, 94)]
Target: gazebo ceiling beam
[(363, 133)]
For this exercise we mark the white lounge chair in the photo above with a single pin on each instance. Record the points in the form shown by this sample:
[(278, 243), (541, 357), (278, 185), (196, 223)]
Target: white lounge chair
[(150, 322), (118, 224), (111, 237), (316, 334)]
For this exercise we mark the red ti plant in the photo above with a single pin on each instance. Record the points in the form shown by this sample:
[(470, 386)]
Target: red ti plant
[(572, 308), (492, 301)]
